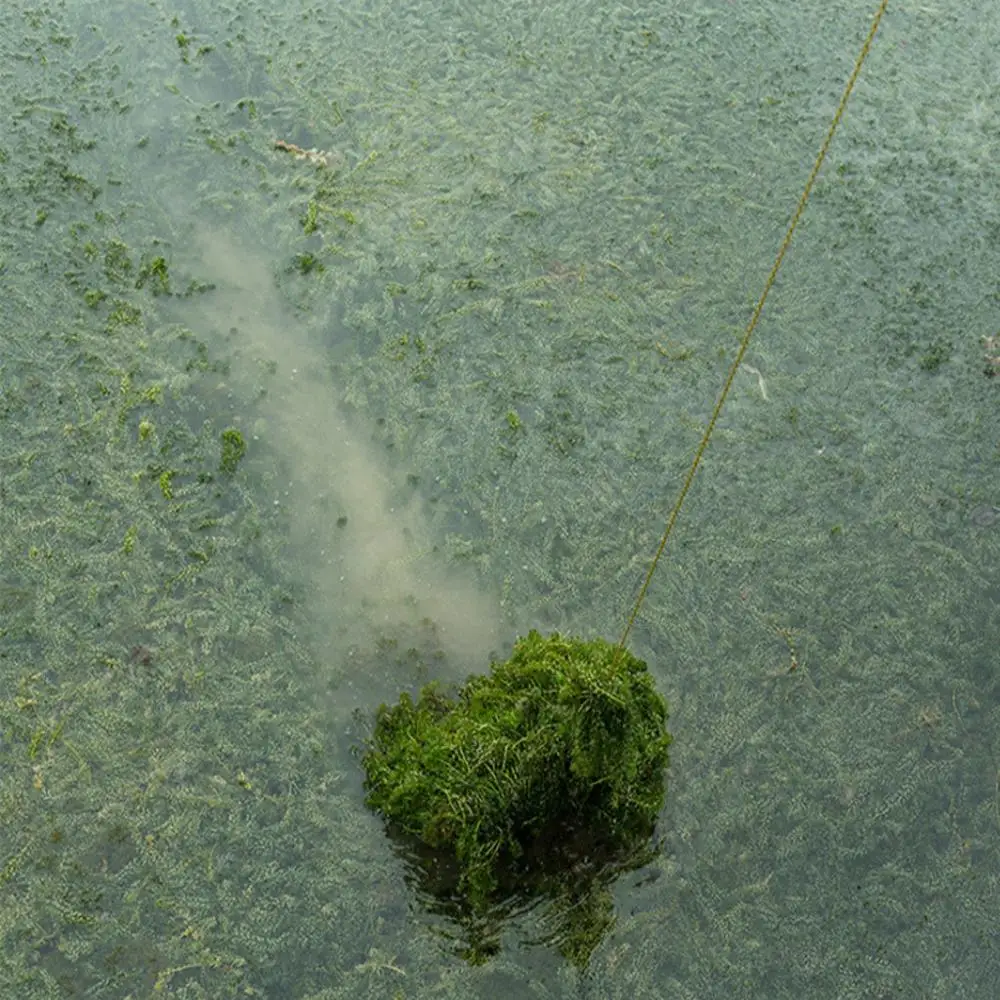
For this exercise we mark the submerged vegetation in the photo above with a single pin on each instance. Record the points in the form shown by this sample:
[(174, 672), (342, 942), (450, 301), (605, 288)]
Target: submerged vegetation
[(555, 757), (506, 237), (234, 447)]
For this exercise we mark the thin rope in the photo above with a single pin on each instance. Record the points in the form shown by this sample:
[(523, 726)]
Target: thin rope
[(745, 343)]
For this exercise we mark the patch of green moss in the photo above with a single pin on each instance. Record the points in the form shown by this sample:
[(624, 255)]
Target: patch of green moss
[(565, 741), (156, 273), (233, 450), (306, 263), (935, 356), (310, 221), (166, 484), (123, 314), (117, 261)]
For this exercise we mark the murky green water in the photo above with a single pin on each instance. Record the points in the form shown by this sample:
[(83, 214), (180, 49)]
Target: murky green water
[(470, 344)]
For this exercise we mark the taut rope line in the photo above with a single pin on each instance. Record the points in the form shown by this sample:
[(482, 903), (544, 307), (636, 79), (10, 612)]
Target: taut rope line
[(745, 343)]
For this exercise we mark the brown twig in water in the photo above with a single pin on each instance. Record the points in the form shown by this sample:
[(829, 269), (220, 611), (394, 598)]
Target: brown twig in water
[(320, 157)]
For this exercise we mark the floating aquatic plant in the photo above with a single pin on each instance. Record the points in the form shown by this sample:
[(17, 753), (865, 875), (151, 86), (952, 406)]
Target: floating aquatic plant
[(566, 738)]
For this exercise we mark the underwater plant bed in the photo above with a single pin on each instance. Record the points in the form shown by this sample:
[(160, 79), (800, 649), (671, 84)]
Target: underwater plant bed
[(567, 734)]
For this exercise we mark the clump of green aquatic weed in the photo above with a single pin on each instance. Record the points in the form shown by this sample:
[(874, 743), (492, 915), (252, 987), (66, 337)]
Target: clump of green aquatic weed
[(566, 737), (233, 450)]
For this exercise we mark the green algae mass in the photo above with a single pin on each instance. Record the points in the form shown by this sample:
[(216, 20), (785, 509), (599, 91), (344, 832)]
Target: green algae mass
[(566, 739), (233, 450)]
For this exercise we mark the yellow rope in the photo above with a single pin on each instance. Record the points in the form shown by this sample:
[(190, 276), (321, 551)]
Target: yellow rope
[(745, 343)]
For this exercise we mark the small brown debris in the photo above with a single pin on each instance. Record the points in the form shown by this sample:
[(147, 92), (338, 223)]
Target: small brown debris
[(319, 157)]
